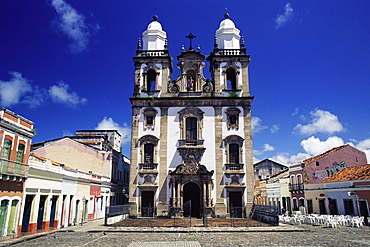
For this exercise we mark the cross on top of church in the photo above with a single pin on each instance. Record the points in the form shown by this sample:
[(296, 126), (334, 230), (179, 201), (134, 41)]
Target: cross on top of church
[(190, 37)]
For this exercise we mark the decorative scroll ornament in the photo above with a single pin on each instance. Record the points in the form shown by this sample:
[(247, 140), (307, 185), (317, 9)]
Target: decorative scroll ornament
[(173, 87), (208, 87)]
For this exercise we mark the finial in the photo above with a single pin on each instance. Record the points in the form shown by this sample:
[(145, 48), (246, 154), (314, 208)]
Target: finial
[(226, 15), (155, 17), (198, 48), (182, 48), (243, 44), (215, 44), (166, 44), (138, 44)]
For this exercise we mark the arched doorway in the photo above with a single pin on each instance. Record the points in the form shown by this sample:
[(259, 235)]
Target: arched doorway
[(191, 193)]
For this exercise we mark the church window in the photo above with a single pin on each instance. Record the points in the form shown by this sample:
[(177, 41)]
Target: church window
[(233, 154), (149, 117), (233, 145), (148, 153), (151, 80), (231, 79), (191, 128), (232, 118), (190, 79), (148, 150)]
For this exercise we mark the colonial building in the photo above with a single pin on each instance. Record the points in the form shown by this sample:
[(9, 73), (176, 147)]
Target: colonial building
[(16, 133), (191, 137)]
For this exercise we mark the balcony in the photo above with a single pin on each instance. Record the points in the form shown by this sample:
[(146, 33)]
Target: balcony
[(296, 187), (148, 168), (12, 168), (152, 53), (191, 143), (230, 52), (234, 168)]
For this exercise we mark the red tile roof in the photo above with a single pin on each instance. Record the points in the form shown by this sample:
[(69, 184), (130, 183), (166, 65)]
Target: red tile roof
[(350, 173), (312, 159)]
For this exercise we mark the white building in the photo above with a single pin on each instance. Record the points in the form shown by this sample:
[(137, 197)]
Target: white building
[(191, 137)]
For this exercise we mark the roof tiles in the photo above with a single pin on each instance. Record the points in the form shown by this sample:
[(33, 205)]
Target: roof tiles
[(350, 173)]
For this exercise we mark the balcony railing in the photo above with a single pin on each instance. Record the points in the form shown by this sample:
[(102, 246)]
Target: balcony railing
[(152, 53), (148, 168), (296, 187), (230, 52), (234, 167), (12, 168), (191, 142)]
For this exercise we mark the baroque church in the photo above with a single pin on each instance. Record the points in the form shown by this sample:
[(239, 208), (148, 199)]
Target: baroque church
[(191, 149)]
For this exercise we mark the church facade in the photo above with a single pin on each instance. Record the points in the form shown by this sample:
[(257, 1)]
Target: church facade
[(191, 149)]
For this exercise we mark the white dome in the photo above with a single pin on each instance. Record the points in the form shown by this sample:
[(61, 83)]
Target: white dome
[(227, 23), (155, 25)]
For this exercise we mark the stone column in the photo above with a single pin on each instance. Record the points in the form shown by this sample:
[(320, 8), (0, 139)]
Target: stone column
[(220, 208), (133, 199), (162, 207), (248, 157)]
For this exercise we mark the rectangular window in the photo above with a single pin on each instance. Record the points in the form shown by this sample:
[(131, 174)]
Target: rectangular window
[(149, 120), (233, 153), (191, 128), (148, 153)]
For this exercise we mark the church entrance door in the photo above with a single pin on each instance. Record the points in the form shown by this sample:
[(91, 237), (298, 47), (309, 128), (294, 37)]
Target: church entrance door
[(191, 200), (235, 206), (147, 203)]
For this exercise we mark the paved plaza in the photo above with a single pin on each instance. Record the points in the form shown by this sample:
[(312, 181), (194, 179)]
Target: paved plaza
[(94, 234)]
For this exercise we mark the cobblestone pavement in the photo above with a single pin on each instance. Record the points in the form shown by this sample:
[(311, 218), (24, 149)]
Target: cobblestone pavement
[(312, 236)]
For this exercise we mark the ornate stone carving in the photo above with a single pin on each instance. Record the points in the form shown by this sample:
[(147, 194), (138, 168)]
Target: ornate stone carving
[(208, 87), (173, 87)]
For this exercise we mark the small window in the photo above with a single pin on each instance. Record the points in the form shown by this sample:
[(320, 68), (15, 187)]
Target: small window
[(317, 163), (232, 117), (149, 120)]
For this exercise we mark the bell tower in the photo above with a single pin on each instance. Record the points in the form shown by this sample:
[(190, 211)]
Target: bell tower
[(152, 62)]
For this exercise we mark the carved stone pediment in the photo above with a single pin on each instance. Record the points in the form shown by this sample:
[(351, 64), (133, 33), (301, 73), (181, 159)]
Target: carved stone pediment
[(191, 154), (191, 169)]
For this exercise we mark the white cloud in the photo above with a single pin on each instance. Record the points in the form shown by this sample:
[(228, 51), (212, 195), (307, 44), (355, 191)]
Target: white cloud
[(364, 146), (266, 148), (12, 91), (59, 94), (109, 124), (285, 17), (322, 121), (315, 146), (257, 125), (288, 159), (72, 24), (275, 128)]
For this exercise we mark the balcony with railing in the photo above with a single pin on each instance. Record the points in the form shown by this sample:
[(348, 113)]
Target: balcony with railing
[(12, 168), (148, 168), (296, 187), (191, 143), (234, 168), (230, 52)]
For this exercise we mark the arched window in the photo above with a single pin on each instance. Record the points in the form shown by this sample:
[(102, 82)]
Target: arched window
[(6, 149), (151, 78), (190, 79), (149, 153), (191, 128), (233, 153), (231, 79), (20, 153)]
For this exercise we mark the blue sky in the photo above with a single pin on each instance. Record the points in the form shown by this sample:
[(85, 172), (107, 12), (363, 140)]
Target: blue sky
[(67, 65)]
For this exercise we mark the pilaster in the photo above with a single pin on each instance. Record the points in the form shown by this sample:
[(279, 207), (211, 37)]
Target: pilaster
[(249, 171)]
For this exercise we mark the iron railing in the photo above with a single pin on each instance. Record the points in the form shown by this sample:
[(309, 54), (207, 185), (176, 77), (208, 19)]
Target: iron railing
[(234, 167), (265, 213), (190, 142), (296, 187)]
